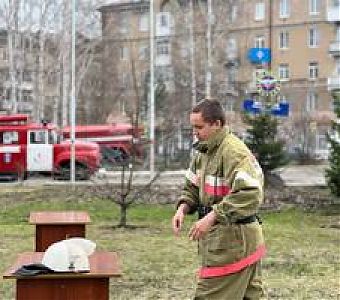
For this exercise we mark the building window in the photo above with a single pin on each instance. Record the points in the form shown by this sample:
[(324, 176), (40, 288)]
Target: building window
[(313, 38), (311, 101), (229, 105), (125, 80), (4, 54), (143, 52), (164, 19), (124, 53), (314, 7), (144, 22), (321, 140), (313, 70), (163, 47), (337, 67), (27, 96), (259, 41), (258, 73), (184, 49), (284, 8), (337, 33), (234, 11), (124, 23), (3, 75), (27, 76), (231, 75), (284, 40), (336, 3), (259, 11), (284, 72)]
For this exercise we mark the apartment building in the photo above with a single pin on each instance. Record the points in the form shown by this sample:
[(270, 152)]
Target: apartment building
[(24, 75), (301, 39), (30, 97)]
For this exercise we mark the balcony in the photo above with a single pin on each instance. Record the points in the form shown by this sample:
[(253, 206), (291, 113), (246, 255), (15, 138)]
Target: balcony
[(334, 82), (25, 106), (5, 105), (334, 48), (232, 55), (333, 13), (163, 60)]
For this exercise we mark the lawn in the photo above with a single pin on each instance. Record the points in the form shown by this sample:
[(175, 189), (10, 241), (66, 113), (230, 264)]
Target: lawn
[(302, 261)]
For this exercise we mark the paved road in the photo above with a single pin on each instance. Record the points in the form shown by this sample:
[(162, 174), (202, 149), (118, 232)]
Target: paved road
[(297, 175), (306, 175)]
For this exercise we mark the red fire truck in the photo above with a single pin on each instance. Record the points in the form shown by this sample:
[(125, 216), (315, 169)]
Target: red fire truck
[(117, 141), (27, 147)]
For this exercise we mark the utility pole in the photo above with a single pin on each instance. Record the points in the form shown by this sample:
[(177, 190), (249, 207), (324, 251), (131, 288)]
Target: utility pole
[(270, 11), (152, 93), (192, 53), (73, 89), (209, 62), (65, 64), (12, 51)]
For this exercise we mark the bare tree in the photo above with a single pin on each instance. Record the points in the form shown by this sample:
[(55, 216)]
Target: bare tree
[(127, 194), (38, 47)]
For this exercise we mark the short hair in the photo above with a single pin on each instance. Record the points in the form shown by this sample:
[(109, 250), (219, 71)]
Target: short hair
[(211, 111)]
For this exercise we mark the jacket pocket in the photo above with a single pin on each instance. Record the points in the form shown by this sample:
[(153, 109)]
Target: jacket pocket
[(224, 244)]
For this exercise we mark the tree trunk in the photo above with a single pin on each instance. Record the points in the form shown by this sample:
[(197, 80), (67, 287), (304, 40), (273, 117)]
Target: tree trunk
[(123, 215)]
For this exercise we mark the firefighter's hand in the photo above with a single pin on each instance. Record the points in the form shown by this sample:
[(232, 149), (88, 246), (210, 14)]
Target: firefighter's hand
[(178, 218), (201, 227)]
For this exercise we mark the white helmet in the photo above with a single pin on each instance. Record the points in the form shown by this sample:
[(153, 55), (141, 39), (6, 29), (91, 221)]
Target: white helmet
[(69, 255)]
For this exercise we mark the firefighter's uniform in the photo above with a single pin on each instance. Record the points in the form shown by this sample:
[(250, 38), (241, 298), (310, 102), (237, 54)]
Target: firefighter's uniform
[(225, 177)]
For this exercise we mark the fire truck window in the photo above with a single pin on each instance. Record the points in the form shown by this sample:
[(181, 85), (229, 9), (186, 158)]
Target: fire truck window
[(37, 137), (52, 137), (9, 137)]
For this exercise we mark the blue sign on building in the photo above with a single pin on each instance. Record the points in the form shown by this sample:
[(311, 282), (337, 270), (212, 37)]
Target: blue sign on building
[(251, 106), (280, 109), (259, 55)]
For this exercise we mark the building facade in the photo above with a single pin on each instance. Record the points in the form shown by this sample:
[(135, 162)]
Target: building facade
[(299, 43), (30, 90)]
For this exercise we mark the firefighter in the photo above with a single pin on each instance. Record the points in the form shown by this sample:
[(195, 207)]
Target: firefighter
[(224, 184)]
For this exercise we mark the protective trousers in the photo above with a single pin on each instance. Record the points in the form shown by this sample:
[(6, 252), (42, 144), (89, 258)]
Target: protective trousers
[(244, 285), (230, 246)]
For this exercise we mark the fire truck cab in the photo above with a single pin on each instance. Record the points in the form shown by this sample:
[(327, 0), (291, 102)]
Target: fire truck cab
[(117, 141), (27, 147)]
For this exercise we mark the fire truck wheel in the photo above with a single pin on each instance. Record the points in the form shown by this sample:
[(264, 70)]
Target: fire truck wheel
[(81, 173)]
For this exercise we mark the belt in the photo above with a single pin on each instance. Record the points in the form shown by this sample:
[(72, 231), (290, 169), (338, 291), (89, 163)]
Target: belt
[(204, 210), (249, 219)]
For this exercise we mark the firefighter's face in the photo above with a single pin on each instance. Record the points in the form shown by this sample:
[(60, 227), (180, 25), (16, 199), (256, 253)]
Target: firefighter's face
[(201, 129)]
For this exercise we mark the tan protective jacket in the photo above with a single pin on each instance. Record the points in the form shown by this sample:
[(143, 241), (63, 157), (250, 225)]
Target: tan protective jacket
[(225, 175)]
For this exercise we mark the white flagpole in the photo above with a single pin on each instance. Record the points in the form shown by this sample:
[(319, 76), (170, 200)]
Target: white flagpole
[(73, 100), (152, 93)]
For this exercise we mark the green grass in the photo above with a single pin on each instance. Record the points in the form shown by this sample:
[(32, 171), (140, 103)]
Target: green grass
[(302, 261)]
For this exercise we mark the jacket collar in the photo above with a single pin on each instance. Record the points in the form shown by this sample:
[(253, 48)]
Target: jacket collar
[(214, 141)]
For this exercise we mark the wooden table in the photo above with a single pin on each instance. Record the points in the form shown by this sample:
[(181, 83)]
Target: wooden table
[(66, 286), (54, 226)]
